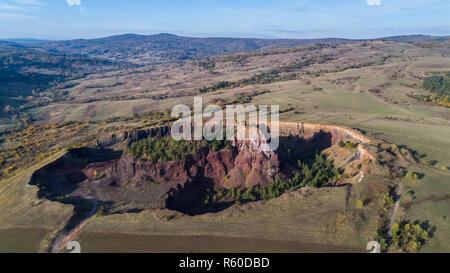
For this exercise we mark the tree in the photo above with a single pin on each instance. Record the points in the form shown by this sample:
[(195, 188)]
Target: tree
[(359, 204), (388, 199), (412, 176), (239, 194), (101, 211), (395, 228)]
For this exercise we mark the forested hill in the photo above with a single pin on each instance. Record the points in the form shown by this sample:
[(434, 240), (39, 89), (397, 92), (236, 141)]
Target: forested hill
[(164, 47), (150, 49), (418, 39), (24, 71)]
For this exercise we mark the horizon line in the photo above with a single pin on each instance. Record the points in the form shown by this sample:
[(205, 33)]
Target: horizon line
[(218, 37)]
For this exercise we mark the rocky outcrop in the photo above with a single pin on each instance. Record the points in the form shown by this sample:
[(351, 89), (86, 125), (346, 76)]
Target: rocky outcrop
[(128, 136), (307, 131), (301, 129), (222, 169)]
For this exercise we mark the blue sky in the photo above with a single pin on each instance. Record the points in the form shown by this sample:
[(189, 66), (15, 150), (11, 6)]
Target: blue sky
[(69, 19)]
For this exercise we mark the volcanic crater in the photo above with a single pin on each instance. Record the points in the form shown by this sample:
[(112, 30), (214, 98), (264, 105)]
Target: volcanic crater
[(123, 183)]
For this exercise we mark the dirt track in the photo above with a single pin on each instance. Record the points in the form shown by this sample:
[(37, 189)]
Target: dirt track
[(63, 237), (396, 207)]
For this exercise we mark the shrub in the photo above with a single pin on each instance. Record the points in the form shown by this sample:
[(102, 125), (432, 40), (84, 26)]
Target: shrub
[(429, 162), (359, 204), (350, 145), (412, 176), (410, 196), (388, 198), (101, 211)]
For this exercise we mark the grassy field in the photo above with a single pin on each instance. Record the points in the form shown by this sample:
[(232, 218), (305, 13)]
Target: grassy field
[(304, 221), (432, 204), (21, 240), (423, 128), (129, 243), (25, 220)]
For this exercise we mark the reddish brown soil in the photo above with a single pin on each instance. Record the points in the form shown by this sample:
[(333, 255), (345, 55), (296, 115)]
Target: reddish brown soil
[(112, 178)]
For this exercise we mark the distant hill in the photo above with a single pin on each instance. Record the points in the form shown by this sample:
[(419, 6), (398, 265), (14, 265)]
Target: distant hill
[(417, 39), (26, 41), (23, 59), (164, 47), (9, 44), (159, 48), (24, 70)]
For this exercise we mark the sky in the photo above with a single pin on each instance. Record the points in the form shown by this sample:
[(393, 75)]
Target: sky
[(72, 19)]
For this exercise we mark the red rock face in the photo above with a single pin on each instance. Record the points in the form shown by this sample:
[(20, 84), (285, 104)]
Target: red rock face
[(190, 177), (224, 169)]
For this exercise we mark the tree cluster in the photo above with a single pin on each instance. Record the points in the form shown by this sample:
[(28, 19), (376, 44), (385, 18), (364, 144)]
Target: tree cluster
[(167, 149), (437, 84), (408, 237)]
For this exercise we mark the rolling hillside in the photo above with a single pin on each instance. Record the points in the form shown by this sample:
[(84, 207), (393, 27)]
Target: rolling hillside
[(141, 49)]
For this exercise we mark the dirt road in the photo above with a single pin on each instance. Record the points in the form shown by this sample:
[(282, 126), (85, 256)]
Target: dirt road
[(63, 237), (396, 207)]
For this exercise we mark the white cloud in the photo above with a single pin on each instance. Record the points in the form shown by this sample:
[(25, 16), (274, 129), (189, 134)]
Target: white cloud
[(9, 7), (73, 2), (15, 9), (30, 3), (6, 15), (374, 2)]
